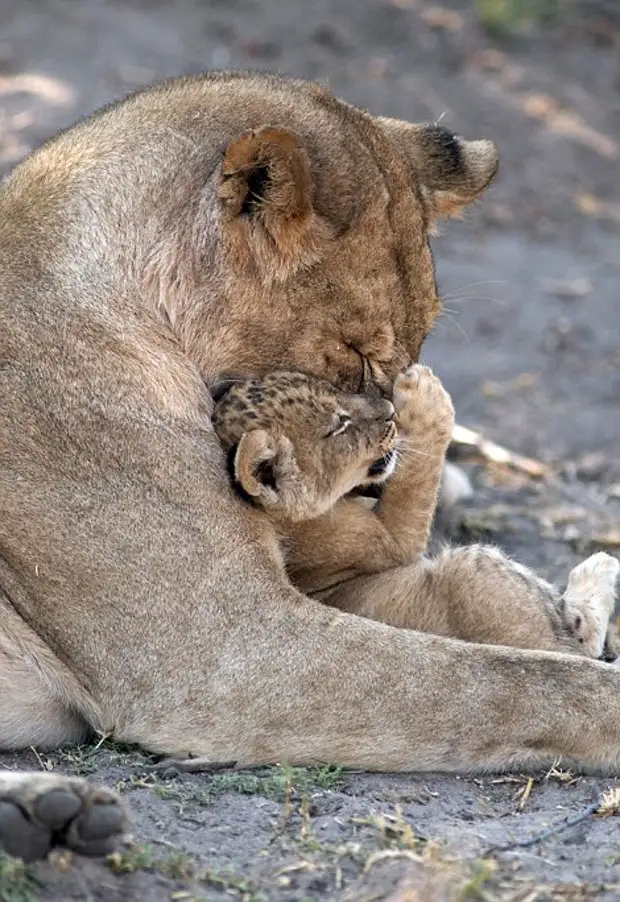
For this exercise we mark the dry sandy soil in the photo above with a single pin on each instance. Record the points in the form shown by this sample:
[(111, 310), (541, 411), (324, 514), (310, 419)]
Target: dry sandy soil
[(530, 347)]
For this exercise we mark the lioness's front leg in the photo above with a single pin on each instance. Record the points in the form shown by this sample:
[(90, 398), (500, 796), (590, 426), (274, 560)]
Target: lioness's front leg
[(39, 811)]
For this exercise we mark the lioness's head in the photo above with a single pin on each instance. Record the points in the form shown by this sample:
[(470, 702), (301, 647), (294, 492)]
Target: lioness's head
[(263, 221), (296, 444)]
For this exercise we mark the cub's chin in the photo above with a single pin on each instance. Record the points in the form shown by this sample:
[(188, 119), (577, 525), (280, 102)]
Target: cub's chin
[(378, 473), (381, 469)]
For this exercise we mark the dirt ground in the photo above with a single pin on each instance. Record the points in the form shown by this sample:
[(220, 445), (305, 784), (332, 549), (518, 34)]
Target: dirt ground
[(529, 345)]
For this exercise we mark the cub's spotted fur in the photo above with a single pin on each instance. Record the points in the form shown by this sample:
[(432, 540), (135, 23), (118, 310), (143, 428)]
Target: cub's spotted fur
[(297, 446)]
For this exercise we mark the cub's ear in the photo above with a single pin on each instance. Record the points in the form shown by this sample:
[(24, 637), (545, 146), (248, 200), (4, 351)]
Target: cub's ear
[(265, 193), (222, 384), (265, 467), (451, 172)]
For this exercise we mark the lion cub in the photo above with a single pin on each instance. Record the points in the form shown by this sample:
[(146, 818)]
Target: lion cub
[(297, 446)]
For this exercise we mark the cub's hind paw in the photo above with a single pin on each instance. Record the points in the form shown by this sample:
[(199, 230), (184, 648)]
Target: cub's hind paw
[(41, 811), (589, 603)]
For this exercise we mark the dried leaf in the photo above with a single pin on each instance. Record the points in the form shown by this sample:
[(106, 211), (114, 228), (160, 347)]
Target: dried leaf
[(539, 106), (610, 803), (567, 288), (524, 793), (553, 516), (438, 17), (589, 204), (609, 539)]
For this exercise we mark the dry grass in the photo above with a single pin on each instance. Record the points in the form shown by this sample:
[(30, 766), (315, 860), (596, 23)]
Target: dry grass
[(17, 883)]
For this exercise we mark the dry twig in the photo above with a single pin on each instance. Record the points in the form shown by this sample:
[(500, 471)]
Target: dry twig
[(188, 766), (473, 443), (606, 804)]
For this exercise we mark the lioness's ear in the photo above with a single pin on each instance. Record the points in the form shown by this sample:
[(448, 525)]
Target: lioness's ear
[(264, 467), (266, 187), (452, 172)]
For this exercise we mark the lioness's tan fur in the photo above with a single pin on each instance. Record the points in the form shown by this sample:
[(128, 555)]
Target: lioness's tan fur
[(211, 224)]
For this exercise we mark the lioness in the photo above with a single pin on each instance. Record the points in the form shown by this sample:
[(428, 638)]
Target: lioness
[(224, 223), (296, 446)]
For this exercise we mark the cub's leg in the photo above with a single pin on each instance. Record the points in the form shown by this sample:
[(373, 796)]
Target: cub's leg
[(589, 602), (477, 594), (354, 539), (425, 418), (39, 811)]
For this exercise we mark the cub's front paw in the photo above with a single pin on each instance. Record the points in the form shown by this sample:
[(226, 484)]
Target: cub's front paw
[(423, 406), (589, 603)]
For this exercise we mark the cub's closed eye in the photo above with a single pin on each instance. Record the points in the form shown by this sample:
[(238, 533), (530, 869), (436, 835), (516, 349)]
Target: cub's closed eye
[(340, 424)]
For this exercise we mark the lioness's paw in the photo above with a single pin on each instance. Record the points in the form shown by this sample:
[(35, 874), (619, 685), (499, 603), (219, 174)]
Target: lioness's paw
[(422, 404), (41, 811), (589, 603)]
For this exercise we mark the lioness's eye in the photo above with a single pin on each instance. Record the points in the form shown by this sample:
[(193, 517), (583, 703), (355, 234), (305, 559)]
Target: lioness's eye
[(340, 424)]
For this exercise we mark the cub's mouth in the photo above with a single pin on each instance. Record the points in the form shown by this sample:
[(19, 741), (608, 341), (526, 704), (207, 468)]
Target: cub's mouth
[(382, 468)]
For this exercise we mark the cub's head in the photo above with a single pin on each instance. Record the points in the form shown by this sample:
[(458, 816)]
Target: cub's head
[(296, 444)]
